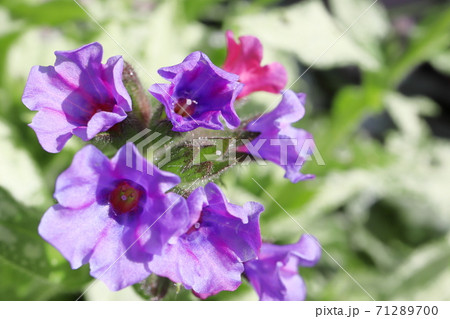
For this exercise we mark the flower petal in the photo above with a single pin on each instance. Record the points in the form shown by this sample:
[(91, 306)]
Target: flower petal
[(199, 264), (89, 96), (114, 260), (162, 219), (113, 70), (244, 58), (52, 129), (130, 164), (210, 90), (274, 275), (81, 184), (74, 232)]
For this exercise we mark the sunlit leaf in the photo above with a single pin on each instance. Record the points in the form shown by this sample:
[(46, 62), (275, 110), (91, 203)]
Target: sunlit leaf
[(307, 30)]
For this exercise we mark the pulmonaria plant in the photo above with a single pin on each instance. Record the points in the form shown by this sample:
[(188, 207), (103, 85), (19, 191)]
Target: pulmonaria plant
[(132, 216), (78, 96)]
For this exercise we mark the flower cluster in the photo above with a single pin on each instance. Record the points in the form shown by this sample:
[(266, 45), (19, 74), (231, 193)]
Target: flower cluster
[(126, 217)]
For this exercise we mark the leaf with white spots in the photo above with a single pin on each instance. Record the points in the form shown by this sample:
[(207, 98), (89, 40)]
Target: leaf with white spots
[(29, 267)]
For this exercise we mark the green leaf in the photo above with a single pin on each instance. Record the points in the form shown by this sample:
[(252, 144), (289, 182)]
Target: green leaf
[(442, 62), (430, 38), (406, 112), (6, 40), (420, 271), (29, 267), (53, 12), (161, 288), (16, 167), (199, 162)]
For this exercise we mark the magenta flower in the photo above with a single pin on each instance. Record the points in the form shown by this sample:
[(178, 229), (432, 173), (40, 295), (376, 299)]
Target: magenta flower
[(274, 275), (219, 239), (78, 96), (199, 93), (245, 58), (280, 142), (113, 216)]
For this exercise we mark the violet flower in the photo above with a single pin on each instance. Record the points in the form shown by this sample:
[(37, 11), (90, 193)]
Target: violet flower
[(78, 96), (280, 142), (199, 93), (113, 216), (274, 275), (219, 239), (244, 58)]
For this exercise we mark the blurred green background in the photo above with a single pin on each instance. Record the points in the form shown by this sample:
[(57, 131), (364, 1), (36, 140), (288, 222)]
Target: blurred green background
[(378, 107)]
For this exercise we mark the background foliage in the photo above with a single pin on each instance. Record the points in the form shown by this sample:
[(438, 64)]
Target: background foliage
[(378, 106)]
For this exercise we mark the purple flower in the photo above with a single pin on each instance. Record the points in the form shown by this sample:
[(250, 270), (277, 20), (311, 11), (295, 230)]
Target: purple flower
[(198, 94), (113, 216), (78, 96), (280, 142), (274, 275), (244, 58), (221, 236)]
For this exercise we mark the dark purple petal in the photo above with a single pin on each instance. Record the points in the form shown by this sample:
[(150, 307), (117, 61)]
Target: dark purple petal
[(198, 95), (200, 264), (290, 110), (221, 236), (163, 218), (130, 164), (235, 227), (113, 74), (274, 275), (280, 142), (265, 279)]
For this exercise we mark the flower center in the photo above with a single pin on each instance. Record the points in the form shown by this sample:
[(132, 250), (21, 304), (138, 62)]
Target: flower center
[(196, 226), (106, 106), (185, 107), (125, 198)]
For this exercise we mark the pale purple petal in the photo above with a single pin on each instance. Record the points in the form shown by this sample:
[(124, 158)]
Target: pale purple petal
[(113, 260), (77, 188), (95, 223), (89, 96), (52, 137), (74, 233)]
